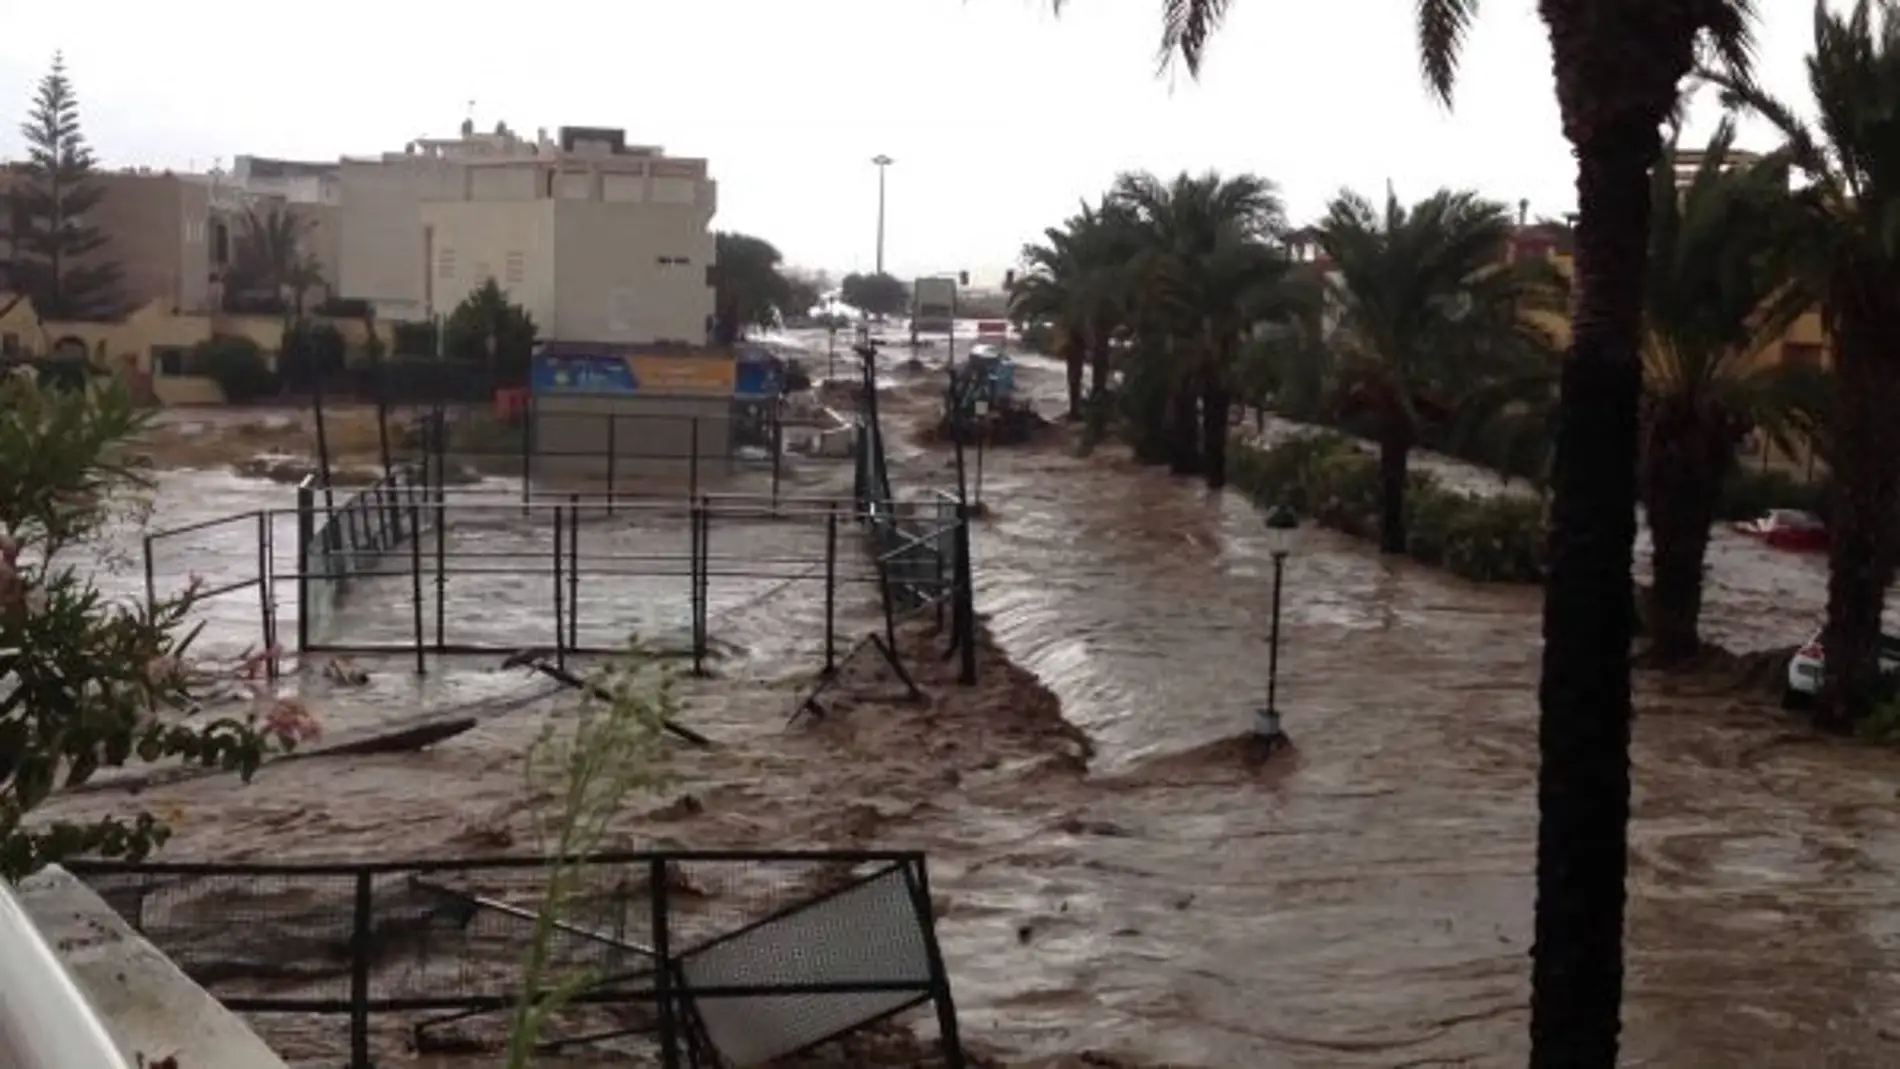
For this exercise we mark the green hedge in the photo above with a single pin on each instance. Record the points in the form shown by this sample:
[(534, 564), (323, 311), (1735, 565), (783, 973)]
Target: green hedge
[(1746, 493), (1326, 478)]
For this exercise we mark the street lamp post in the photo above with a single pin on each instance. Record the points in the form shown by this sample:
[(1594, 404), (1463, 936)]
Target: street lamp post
[(882, 162), (1283, 531)]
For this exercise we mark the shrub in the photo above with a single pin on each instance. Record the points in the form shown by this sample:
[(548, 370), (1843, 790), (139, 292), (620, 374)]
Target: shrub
[(1331, 481), (238, 366)]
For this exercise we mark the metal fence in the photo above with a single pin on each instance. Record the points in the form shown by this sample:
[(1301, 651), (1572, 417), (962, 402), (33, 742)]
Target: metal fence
[(714, 957), (337, 544), (921, 545)]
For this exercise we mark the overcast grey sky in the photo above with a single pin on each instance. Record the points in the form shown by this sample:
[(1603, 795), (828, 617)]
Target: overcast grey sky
[(999, 115)]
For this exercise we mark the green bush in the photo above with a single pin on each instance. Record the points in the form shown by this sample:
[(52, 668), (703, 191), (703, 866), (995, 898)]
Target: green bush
[(238, 366), (1328, 479)]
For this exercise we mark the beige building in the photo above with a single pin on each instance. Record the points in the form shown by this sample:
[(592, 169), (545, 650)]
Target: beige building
[(156, 228), (599, 240)]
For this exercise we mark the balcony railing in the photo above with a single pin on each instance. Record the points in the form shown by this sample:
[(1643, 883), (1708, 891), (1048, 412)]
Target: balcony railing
[(46, 1021)]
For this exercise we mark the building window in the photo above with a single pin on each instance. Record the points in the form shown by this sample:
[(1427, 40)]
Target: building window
[(516, 268), (168, 360), (445, 264)]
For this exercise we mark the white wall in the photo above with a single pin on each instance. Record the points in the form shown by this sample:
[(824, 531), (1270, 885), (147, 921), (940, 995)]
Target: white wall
[(151, 1008), (511, 242), (379, 242), (611, 283)]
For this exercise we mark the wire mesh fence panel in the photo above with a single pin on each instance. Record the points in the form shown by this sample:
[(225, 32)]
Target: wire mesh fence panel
[(735, 956), (246, 938)]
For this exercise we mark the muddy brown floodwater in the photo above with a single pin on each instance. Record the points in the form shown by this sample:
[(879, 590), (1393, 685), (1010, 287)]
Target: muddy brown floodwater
[(1364, 900)]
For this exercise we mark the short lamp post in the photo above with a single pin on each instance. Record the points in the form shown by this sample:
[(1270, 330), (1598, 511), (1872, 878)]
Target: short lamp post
[(1283, 532)]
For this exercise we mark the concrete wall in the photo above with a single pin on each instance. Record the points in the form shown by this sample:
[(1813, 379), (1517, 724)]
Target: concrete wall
[(512, 242), (151, 1008), (651, 435), (380, 245), (632, 273)]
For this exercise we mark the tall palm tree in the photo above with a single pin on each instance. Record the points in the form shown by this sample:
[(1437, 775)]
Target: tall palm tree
[(1212, 265), (1076, 278), (271, 263), (1848, 257), (1619, 65), (1427, 310), (1716, 301)]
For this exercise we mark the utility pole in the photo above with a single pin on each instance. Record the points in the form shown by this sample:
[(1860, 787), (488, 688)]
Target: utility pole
[(882, 162)]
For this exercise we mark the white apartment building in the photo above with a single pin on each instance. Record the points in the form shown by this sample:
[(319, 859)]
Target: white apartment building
[(599, 240)]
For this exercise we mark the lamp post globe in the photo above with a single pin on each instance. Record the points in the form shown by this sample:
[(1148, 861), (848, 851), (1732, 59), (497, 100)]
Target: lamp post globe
[(1283, 531)]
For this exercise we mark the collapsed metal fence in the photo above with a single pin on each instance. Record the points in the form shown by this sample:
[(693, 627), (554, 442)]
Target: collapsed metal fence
[(921, 545), (715, 958)]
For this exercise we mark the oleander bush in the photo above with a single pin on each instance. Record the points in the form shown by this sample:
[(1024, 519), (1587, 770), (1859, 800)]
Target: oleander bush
[(1328, 479)]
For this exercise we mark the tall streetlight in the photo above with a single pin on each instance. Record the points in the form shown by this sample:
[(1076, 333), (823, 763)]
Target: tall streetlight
[(882, 162), (1283, 531)]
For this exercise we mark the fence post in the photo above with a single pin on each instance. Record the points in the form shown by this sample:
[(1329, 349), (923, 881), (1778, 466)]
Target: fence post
[(692, 474), (948, 1033), (663, 964), (560, 625), (702, 532), (441, 557), (415, 577), (966, 600), (831, 591), (613, 449), (306, 503), (778, 451), (267, 608), (361, 926), (527, 458), (574, 571), (151, 580)]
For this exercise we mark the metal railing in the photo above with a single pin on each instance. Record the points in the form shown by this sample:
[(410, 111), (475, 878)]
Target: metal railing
[(46, 1020)]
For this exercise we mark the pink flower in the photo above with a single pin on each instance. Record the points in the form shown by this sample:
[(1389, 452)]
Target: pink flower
[(290, 722)]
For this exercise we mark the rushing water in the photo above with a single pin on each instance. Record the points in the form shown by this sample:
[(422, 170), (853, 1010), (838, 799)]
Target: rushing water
[(1362, 901)]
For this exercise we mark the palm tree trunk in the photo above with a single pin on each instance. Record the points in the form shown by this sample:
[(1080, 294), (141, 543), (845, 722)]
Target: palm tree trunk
[(1680, 500), (1589, 610), (1395, 448), (1215, 404), (1860, 553), (1184, 430), (1074, 355), (1098, 369)]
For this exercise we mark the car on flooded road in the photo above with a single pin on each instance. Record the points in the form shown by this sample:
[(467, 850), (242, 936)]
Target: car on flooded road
[(1806, 666)]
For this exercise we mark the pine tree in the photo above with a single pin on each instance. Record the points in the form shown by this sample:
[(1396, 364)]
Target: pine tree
[(56, 261)]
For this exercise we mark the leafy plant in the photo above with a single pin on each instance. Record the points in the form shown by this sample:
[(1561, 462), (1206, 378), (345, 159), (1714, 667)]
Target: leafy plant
[(1328, 478), (86, 683), (587, 769), (238, 366)]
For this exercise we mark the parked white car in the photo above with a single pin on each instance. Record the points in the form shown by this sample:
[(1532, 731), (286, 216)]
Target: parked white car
[(1805, 667)]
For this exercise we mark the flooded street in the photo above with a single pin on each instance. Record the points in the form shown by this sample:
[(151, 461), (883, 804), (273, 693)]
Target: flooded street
[(1362, 901)]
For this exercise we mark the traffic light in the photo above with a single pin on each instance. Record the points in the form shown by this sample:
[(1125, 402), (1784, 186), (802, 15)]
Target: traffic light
[(1009, 279), (963, 278)]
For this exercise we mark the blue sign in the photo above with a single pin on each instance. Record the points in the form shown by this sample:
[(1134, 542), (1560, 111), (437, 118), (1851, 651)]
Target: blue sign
[(582, 373), (759, 379)]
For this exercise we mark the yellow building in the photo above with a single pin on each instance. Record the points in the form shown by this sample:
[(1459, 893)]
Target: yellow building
[(148, 349)]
